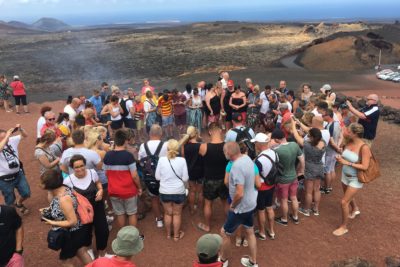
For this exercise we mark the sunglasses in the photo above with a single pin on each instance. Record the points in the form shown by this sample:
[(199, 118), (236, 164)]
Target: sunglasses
[(51, 119)]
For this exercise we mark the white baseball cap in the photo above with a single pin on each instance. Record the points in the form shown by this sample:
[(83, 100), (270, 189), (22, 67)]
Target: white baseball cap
[(261, 138)]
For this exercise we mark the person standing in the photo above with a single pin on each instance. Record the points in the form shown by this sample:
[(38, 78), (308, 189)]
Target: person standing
[(287, 182), (226, 109), (96, 100), (238, 102), (195, 105), (213, 105), (165, 106), (11, 237), (368, 117), (214, 174), (50, 125), (12, 175), (150, 109), (72, 108), (5, 92), (19, 93), (123, 181), (179, 108), (244, 200)]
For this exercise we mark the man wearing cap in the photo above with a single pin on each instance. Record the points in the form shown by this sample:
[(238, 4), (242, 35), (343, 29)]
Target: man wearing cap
[(264, 162), (242, 191), (127, 244), (368, 117), (238, 124), (207, 249), (287, 182), (226, 109)]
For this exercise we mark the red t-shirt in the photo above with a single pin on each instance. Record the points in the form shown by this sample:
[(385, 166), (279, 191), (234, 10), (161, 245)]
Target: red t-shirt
[(139, 111), (215, 264), (51, 127), (18, 88), (179, 109), (110, 262)]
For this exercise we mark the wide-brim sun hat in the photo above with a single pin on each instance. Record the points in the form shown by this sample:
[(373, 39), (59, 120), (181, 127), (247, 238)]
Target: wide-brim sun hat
[(128, 242)]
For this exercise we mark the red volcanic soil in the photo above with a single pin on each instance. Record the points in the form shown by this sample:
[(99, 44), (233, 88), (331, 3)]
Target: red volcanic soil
[(372, 236)]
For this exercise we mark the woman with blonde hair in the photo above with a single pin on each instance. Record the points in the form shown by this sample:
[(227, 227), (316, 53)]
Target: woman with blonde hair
[(48, 151), (190, 151), (172, 173), (354, 147)]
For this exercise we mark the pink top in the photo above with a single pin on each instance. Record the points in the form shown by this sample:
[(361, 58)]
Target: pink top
[(145, 88), (18, 88)]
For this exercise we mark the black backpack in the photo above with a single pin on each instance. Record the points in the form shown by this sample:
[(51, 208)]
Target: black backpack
[(275, 171), (243, 135), (149, 166), (124, 108)]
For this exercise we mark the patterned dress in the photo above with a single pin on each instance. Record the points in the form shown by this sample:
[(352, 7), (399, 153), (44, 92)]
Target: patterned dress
[(4, 91), (195, 113)]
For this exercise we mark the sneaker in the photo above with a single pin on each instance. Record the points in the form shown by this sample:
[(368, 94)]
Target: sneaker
[(91, 254), (246, 262), (160, 223), (295, 220), (304, 212), (110, 219), (322, 190), (259, 235), (245, 243), (271, 235), (280, 221), (315, 212), (238, 242)]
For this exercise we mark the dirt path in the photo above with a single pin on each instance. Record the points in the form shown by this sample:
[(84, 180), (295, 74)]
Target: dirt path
[(372, 236)]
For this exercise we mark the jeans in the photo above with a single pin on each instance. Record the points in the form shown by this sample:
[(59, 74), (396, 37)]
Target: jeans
[(7, 188)]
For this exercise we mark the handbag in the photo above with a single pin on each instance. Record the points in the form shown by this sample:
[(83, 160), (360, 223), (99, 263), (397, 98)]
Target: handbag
[(186, 190), (372, 172), (56, 238)]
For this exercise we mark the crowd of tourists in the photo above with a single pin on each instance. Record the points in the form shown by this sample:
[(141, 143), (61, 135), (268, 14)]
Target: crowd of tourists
[(120, 155)]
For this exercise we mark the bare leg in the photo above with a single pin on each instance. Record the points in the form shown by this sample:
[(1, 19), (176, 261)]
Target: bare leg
[(200, 198), (284, 208), (261, 221), (67, 263), (226, 245), (7, 105), (177, 219), (155, 205), (168, 213), (17, 108), (347, 198), (295, 206), (271, 222), (252, 244), (132, 220), (83, 256), (309, 185), (192, 195), (121, 220), (25, 108), (317, 194), (207, 213)]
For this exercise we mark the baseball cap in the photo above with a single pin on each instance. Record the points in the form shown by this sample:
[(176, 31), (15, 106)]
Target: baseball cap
[(237, 116), (16, 77), (231, 83), (325, 87), (277, 134), (128, 242), (208, 245), (261, 138)]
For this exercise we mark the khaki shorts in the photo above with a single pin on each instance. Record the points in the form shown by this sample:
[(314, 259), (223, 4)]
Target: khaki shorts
[(124, 206), (139, 125)]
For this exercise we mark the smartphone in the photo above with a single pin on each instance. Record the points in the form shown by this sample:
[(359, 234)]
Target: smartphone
[(15, 130)]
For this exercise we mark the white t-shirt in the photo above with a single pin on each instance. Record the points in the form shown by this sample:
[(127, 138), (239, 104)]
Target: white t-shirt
[(129, 105), (7, 159), (81, 183), (92, 158), (153, 144), (265, 162), (147, 106), (71, 112), (265, 103), (231, 135), (169, 182), (41, 121)]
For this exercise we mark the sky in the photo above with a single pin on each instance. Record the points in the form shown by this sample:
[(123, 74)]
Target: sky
[(91, 12)]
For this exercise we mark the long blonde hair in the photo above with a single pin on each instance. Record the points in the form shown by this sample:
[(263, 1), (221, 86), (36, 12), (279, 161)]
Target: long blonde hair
[(191, 133), (172, 149), (92, 138)]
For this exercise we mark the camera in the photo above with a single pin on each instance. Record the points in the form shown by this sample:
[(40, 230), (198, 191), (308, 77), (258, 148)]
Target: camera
[(13, 165), (46, 213)]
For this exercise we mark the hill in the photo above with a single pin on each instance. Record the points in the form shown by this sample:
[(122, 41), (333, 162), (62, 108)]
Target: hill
[(50, 24)]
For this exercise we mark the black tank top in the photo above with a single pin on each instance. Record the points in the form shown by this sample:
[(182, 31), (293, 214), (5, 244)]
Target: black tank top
[(238, 102), (227, 97), (215, 162), (90, 191), (194, 161)]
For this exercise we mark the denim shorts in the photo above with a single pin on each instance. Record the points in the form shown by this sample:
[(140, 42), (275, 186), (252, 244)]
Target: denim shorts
[(176, 198), (167, 120), (234, 220), (20, 183)]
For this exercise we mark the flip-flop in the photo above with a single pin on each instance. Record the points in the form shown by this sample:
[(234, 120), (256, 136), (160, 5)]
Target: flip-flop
[(201, 227), (337, 233), (181, 235), (354, 214)]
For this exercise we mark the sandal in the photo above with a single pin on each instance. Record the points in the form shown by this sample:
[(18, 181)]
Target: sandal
[(271, 235), (202, 227), (340, 232), (22, 208), (181, 235)]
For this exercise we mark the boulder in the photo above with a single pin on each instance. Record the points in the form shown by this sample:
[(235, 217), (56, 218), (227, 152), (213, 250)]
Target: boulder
[(393, 261), (373, 35), (354, 262)]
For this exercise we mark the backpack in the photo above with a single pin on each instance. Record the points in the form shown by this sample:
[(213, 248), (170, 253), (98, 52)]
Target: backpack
[(124, 108), (85, 209), (149, 165), (243, 135), (275, 171)]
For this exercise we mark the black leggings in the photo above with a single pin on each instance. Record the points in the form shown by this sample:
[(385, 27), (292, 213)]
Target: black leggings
[(100, 225), (20, 98)]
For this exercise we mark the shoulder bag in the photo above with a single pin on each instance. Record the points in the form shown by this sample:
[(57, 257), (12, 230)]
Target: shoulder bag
[(372, 172)]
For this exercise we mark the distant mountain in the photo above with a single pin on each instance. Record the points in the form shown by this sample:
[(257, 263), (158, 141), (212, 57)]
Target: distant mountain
[(19, 24), (50, 24)]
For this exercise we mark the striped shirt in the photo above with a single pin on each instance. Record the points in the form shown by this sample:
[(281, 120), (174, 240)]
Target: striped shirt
[(118, 166), (165, 105)]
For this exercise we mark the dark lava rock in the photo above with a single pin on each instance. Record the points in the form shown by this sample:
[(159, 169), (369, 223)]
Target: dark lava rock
[(354, 262), (393, 261), (373, 35), (382, 45)]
